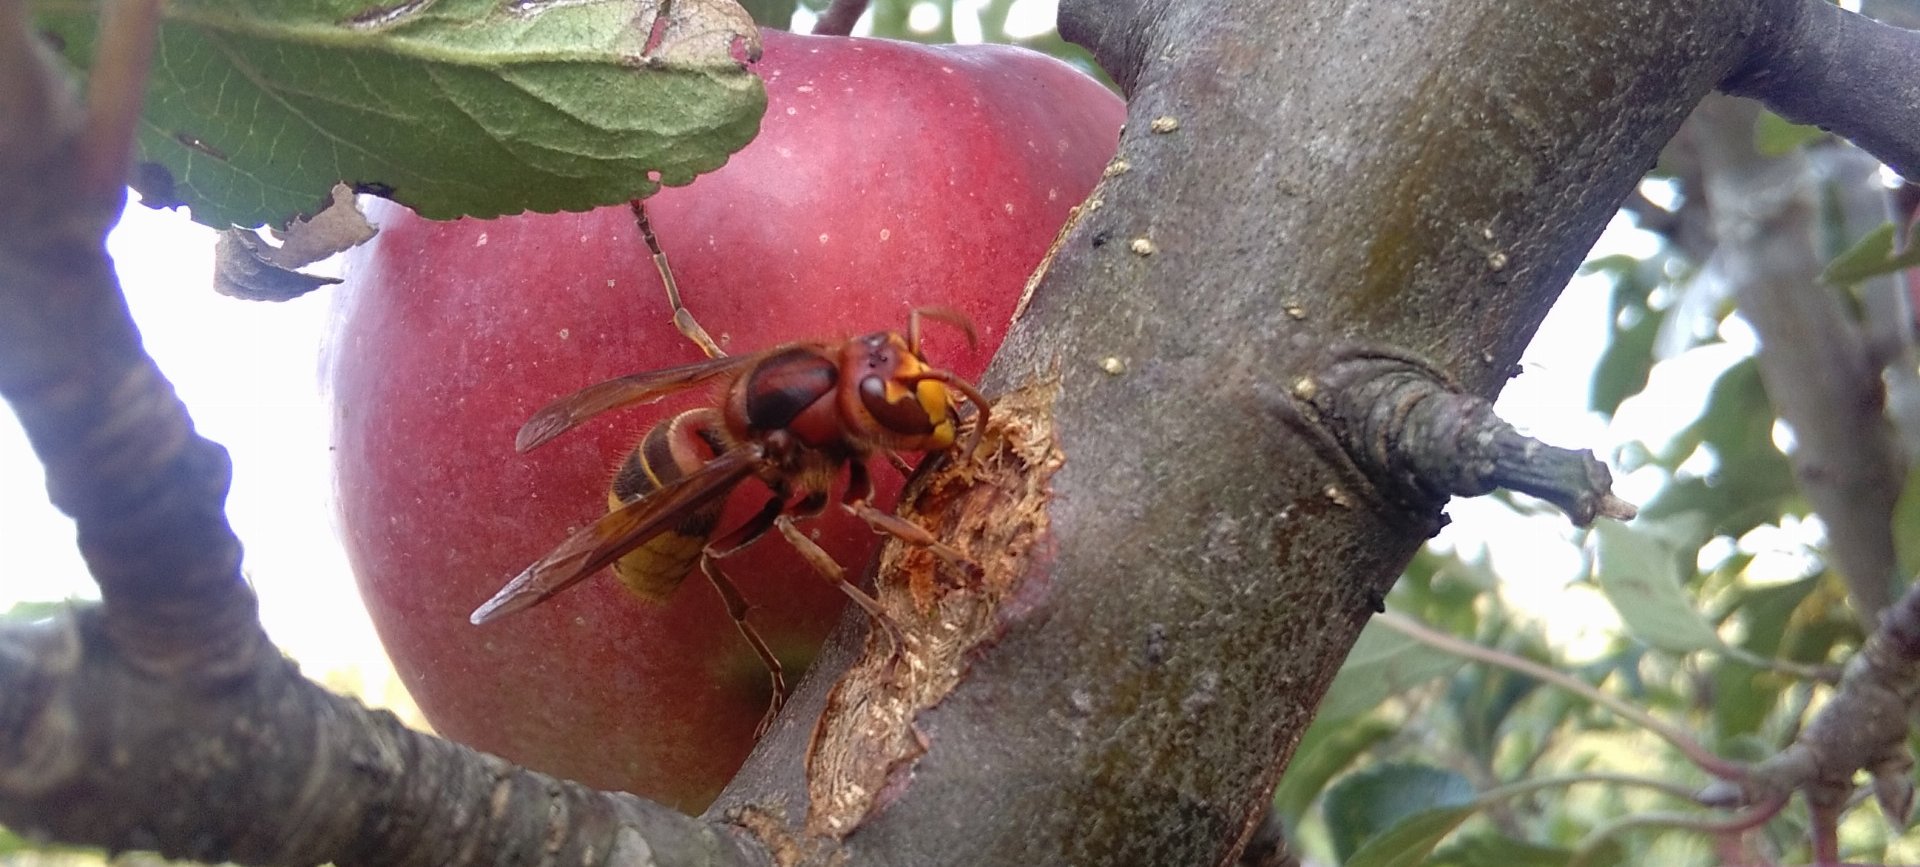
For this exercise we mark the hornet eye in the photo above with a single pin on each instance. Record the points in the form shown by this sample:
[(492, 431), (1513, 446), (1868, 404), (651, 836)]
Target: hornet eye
[(904, 416)]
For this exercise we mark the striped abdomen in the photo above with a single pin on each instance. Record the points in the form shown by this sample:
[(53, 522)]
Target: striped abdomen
[(672, 449)]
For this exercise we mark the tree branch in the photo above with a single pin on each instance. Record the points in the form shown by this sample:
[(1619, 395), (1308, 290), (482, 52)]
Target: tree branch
[(163, 718), (839, 18), (265, 767), (1864, 727), (1116, 33), (1292, 180), (1819, 371), (1815, 63)]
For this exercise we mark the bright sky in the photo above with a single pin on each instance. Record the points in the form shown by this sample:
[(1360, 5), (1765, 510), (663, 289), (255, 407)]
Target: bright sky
[(248, 371), (249, 374)]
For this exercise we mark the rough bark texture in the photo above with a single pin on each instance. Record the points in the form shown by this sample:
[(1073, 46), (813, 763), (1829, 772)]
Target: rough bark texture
[(1816, 63), (1294, 180)]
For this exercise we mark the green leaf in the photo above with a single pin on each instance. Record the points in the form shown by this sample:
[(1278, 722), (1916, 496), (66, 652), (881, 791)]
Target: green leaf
[(1483, 697), (777, 14), (1737, 424), (456, 107), (1383, 663), (1906, 524), (1409, 843), (1870, 257), (1628, 358), (1395, 814), (1327, 748), (1641, 574), (35, 610), (1496, 850), (1774, 135)]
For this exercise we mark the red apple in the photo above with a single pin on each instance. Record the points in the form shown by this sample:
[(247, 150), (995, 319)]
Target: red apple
[(886, 176)]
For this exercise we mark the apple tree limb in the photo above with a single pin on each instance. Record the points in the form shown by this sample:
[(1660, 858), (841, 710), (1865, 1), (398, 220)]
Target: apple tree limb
[(163, 718), (1813, 62)]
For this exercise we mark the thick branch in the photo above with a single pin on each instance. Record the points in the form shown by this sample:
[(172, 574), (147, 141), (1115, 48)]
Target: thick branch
[(266, 767), (1863, 727), (121, 456), (1816, 63), (1819, 371), (1116, 33), (1293, 178)]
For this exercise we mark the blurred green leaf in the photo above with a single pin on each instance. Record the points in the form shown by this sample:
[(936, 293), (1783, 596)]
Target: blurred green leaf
[(777, 14), (1442, 589), (1766, 611), (460, 107), (35, 610), (1383, 663), (1328, 747), (1641, 574), (1821, 624), (1409, 843), (1627, 361), (1485, 696), (1774, 135), (1737, 425), (1395, 814), (1496, 850), (890, 21), (1906, 524), (1870, 257)]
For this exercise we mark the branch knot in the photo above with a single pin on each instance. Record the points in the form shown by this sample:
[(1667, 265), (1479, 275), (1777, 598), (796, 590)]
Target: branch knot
[(1407, 433)]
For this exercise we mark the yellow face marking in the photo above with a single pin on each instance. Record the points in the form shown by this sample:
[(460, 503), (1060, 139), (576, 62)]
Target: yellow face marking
[(935, 400)]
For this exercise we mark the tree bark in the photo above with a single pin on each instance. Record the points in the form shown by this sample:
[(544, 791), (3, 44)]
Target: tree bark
[(1296, 181)]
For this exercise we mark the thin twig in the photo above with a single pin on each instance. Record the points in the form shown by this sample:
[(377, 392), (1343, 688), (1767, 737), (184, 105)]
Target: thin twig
[(839, 18), (1681, 741)]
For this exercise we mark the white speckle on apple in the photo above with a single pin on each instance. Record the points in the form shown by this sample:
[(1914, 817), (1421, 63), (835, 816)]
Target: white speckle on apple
[(792, 111), (1053, 195), (482, 242), (947, 69), (785, 152), (805, 88), (885, 234), (1008, 207), (565, 333), (823, 237)]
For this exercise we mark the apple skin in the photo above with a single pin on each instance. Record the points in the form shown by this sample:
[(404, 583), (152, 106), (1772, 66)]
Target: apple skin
[(886, 176)]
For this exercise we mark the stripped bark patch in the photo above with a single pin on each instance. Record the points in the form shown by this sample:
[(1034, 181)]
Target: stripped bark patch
[(994, 509)]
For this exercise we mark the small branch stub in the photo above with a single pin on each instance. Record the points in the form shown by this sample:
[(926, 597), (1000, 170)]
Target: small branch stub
[(1406, 433)]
